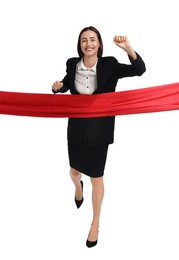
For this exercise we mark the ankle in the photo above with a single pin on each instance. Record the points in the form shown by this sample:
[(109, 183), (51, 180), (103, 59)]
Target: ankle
[(93, 234), (94, 228), (95, 224)]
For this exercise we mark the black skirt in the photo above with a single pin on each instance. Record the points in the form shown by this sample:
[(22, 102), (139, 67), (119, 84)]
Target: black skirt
[(89, 160)]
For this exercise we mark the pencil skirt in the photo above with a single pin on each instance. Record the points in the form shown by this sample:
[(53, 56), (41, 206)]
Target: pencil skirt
[(89, 160)]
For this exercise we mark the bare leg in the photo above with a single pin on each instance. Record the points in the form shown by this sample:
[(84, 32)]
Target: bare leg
[(76, 177), (97, 198)]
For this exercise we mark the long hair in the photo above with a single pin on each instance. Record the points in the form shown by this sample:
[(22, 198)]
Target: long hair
[(91, 28)]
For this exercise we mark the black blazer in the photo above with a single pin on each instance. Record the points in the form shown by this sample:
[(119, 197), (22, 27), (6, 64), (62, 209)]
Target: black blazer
[(98, 131)]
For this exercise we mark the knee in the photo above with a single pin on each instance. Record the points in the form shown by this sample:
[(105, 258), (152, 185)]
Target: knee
[(74, 172), (97, 181)]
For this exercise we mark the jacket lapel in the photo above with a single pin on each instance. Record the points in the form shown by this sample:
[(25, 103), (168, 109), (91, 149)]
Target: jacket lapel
[(99, 73), (73, 72)]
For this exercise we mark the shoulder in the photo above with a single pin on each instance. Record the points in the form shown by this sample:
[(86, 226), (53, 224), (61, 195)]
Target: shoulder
[(73, 60), (108, 60)]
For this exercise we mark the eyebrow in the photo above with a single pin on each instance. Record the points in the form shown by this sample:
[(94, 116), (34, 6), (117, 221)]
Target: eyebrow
[(93, 37)]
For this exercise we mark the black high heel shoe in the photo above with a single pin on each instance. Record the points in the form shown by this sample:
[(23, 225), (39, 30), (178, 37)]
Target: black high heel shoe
[(91, 243), (79, 202)]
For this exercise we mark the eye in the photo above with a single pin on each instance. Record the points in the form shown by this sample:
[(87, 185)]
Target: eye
[(83, 40)]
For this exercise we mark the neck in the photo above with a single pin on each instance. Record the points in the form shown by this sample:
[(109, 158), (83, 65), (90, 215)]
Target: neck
[(89, 62)]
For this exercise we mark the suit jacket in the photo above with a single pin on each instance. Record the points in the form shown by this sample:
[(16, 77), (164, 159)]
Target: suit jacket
[(98, 131)]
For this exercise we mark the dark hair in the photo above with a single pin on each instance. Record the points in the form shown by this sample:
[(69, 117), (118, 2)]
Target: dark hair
[(100, 50)]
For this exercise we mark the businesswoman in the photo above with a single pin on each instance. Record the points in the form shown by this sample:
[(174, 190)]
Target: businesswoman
[(89, 138)]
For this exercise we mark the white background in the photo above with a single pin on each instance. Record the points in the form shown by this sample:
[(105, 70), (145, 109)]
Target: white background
[(38, 218)]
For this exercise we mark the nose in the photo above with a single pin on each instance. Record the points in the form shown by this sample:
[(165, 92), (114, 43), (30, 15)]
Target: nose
[(87, 43)]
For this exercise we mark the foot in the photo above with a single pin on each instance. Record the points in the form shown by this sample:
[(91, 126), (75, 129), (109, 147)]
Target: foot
[(79, 202), (79, 191), (92, 237)]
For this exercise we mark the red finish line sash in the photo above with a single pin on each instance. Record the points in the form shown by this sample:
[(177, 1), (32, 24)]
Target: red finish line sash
[(145, 100)]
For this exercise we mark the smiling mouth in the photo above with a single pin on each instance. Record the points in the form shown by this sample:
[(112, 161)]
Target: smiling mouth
[(89, 49)]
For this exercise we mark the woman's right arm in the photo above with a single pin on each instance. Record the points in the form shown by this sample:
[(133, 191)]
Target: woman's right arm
[(63, 85)]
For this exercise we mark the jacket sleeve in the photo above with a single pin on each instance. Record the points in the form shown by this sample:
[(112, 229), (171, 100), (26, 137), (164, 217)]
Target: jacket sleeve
[(136, 68), (138, 64)]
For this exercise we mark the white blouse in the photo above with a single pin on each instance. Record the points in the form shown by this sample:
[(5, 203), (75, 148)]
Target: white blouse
[(85, 79)]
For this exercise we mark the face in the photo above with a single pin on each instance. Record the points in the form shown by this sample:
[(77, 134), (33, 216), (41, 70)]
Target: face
[(89, 43)]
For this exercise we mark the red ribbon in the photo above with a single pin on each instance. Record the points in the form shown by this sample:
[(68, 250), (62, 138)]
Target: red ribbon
[(145, 100)]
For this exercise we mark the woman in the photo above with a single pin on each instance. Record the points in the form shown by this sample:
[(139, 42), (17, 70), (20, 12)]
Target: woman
[(88, 138)]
